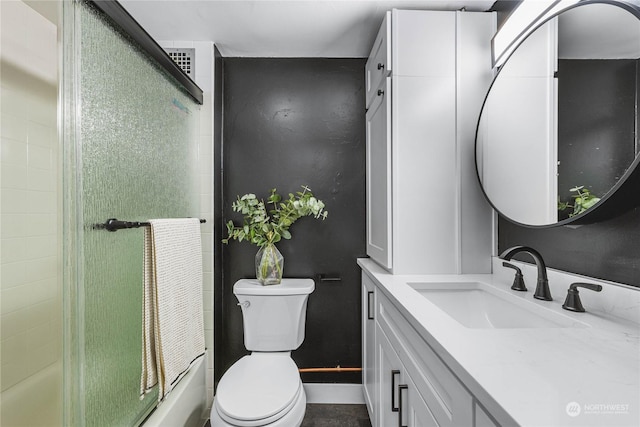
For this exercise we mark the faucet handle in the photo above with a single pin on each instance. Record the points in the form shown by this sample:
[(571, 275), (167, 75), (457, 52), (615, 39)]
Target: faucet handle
[(518, 280), (572, 302)]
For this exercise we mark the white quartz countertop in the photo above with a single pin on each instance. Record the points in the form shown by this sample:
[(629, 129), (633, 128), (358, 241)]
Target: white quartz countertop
[(585, 376)]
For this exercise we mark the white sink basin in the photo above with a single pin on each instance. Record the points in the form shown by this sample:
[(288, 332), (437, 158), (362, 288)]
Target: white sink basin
[(480, 306)]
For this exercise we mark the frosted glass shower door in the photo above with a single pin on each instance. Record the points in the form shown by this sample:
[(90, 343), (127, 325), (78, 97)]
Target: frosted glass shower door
[(130, 136)]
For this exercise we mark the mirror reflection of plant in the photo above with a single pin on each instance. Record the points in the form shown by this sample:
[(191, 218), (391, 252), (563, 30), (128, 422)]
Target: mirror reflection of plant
[(262, 227), (582, 201)]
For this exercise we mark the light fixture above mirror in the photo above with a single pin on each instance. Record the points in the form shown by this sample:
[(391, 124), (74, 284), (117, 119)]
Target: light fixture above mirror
[(522, 21)]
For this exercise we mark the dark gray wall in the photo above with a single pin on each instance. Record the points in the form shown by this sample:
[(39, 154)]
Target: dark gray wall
[(289, 122), (218, 220), (596, 123), (608, 250)]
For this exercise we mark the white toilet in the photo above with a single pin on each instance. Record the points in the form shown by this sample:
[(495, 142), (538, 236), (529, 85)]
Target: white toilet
[(264, 388)]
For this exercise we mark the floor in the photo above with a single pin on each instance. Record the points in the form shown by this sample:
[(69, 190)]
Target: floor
[(318, 415)]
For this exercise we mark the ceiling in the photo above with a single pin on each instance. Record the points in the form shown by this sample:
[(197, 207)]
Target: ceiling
[(266, 28)]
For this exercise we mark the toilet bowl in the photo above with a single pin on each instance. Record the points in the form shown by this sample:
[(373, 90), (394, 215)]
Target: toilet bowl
[(264, 388)]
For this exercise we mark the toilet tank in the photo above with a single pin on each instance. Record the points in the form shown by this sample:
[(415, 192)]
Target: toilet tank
[(274, 315)]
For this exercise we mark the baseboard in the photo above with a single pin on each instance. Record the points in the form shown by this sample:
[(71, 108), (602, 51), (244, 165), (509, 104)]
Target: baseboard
[(334, 393)]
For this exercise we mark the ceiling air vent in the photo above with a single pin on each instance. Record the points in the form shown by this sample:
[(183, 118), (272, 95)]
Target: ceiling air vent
[(185, 58)]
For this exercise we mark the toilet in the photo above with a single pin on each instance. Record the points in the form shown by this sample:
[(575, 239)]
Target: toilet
[(264, 388)]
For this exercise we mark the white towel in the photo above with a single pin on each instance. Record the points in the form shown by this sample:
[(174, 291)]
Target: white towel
[(173, 328)]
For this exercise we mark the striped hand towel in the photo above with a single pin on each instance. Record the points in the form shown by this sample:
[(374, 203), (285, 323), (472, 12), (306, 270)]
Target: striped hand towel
[(173, 328)]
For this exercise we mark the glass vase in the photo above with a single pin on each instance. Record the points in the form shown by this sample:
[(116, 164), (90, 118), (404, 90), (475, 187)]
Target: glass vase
[(269, 265)]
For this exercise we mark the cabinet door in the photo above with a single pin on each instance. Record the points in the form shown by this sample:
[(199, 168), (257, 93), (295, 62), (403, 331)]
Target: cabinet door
[(414, 412), (379, 230), (369, 346), (378, 65), (390, 374), (481, 418), (400, 401)]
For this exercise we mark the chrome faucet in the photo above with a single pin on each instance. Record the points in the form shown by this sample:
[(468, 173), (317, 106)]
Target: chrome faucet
[(542, 287)]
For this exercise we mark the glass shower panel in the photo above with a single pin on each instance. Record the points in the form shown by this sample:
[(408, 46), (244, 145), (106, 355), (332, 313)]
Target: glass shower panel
[(134, 157)]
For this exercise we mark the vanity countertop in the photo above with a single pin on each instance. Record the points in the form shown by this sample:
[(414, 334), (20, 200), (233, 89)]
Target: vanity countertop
[(533, 376)]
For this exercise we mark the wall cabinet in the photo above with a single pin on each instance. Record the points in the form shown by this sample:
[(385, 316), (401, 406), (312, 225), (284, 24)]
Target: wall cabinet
[(405, 382), (426, 213), (378, 131), (378, 67)]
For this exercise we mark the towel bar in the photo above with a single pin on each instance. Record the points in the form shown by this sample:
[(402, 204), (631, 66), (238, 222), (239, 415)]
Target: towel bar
[(113, 224)]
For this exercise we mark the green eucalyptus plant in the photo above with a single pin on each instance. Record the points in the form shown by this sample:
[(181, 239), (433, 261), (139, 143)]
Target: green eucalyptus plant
[(582, 200), (265, 227), (262, 226)]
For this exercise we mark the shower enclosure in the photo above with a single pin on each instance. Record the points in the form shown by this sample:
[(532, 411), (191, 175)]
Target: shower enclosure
[(130, 153), (117, 137)]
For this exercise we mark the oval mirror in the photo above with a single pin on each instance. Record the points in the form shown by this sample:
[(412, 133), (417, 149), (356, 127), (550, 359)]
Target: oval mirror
[(558, 132)]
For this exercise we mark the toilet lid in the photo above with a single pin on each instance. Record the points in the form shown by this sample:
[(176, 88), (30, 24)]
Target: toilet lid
[(262, 386)]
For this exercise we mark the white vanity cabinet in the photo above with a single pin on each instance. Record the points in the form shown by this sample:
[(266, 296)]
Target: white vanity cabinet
[(446, 401), (425, 210), (405, 382), (369, 383), (401, 403), (388, 390), (482, 419)]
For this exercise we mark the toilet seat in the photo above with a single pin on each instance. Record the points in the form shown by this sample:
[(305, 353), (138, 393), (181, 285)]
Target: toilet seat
[(258, 389)]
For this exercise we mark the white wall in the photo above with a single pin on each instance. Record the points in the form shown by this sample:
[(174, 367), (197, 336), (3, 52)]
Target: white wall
[(31, 293), (204, 78)]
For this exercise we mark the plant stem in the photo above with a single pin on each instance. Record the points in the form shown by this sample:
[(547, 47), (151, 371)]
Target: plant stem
[(273, 256), (269, 263)]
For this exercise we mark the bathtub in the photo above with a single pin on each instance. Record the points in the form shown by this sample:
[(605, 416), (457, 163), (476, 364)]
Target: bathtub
[(187, 403), (41, 391)]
